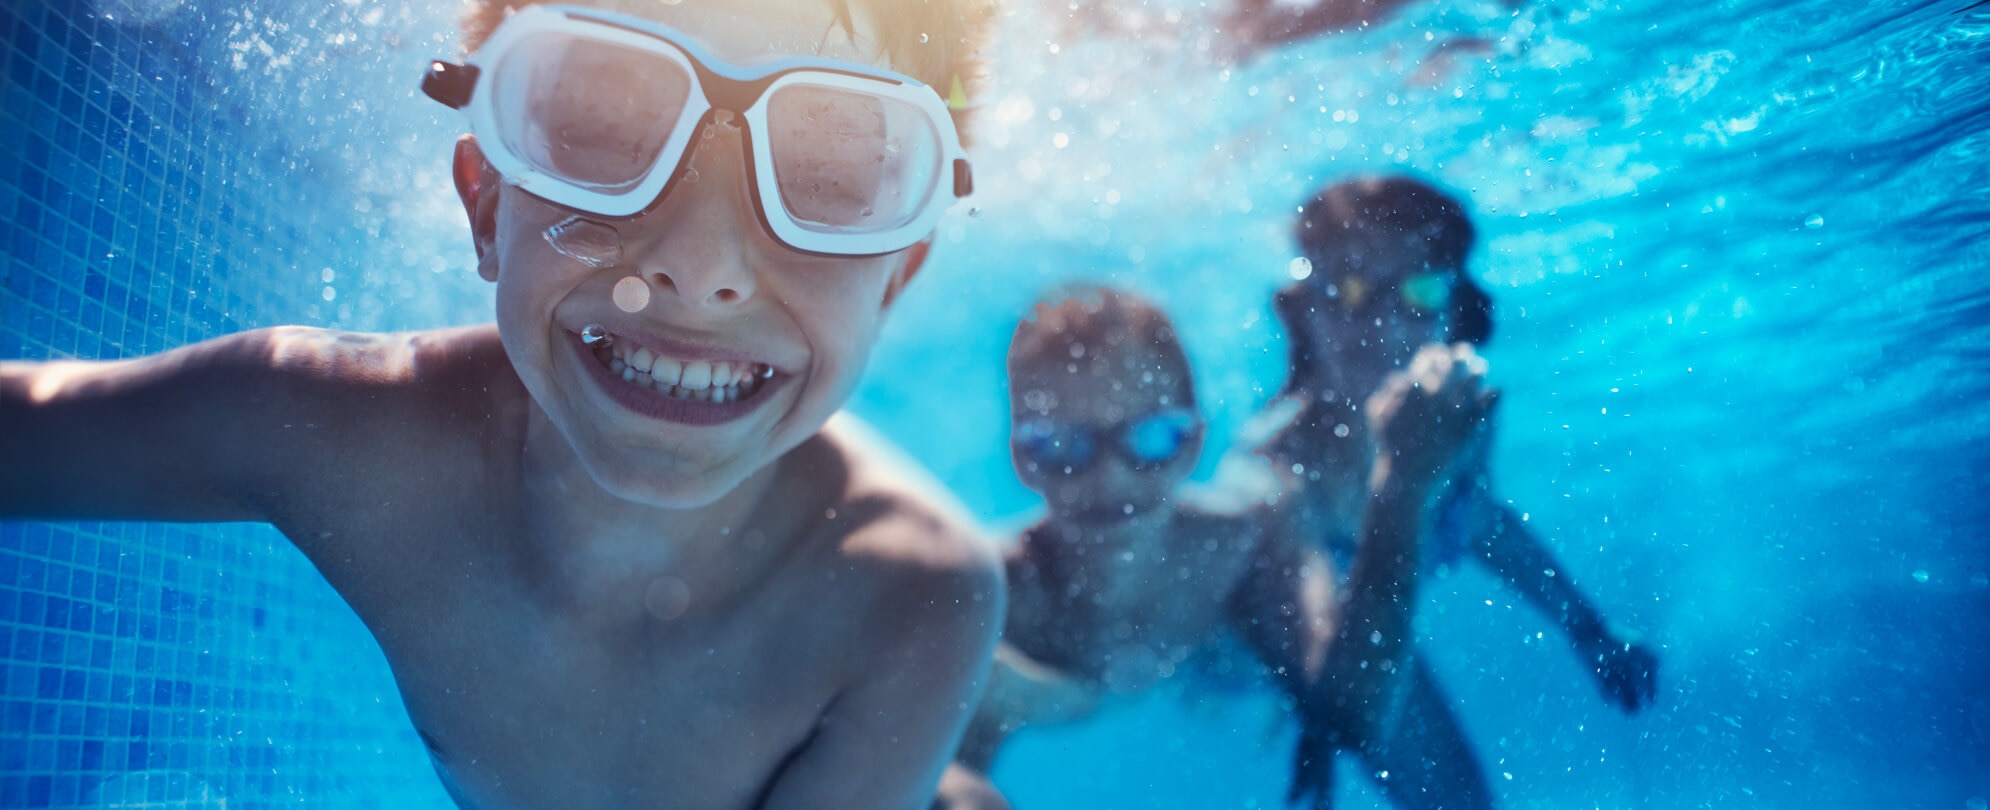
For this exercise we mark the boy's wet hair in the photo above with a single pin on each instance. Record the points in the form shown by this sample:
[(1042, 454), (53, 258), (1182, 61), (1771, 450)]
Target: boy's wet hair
[(1081, 326), (934, 41), (1369, 207)]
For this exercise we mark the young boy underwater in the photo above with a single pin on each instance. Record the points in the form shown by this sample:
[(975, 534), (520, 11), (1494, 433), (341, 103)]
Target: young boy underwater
[(1387, 281), (611, 551), (1122, 581)]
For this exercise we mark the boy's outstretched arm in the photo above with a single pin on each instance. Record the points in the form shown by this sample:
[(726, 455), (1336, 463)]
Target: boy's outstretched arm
[(1625, 668), (884, 742), (172, 436), (1021, 692), (222, 430)]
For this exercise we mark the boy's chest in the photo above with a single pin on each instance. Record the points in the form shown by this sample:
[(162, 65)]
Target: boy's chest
[(527, 709), (1135, 629), (526, 706)]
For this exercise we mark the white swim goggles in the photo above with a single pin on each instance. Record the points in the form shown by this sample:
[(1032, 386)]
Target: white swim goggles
[(597, 111)]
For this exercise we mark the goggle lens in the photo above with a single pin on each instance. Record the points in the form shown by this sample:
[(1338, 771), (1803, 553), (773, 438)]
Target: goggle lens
[(1428, 292), (1150, 440), (1425, 293), (1157, 438), (1052, 445), (850, 162), (604, 136)]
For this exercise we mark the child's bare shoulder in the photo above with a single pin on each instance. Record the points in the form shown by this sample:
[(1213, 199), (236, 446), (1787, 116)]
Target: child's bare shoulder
[(418, 378), (907, 528), (362, 417), (377, 362)]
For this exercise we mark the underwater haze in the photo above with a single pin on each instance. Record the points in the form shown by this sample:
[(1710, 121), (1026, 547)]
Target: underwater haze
[(1737, 252)]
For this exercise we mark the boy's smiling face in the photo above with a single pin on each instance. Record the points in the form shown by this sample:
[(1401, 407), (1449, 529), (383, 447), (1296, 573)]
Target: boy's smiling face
[(1101, 395), (726, 303)]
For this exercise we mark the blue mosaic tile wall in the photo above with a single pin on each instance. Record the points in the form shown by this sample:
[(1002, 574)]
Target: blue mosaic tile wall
[(146, 204)]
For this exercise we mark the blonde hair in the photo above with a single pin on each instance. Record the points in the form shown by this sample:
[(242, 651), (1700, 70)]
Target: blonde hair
[(939, 42)]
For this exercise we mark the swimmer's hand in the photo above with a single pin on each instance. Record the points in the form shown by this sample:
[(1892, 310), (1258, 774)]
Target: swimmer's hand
[(1428, 418), (965, 789), (1313, 768), (1026, 692), (1627, 671)]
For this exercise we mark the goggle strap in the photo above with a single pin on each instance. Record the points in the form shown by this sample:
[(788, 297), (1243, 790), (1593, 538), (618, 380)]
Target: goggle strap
[(963, 178), (449, 83)]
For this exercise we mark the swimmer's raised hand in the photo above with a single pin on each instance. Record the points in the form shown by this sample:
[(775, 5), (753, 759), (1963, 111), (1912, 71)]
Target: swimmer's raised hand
[(1627, 671), (1427, 419)]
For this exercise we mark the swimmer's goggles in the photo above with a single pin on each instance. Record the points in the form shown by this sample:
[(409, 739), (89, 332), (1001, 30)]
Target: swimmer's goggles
[(1426, 293), (1144, 442), (598, 111)]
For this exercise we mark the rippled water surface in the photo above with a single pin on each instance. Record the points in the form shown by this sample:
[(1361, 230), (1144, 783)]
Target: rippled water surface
[(1738, 253)]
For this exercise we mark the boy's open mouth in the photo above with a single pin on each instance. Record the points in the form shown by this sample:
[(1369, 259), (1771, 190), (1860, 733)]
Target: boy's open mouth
[(715, 381)]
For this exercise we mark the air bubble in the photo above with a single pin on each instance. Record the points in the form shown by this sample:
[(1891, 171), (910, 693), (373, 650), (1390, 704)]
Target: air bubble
[(631, 294), (667, 598), (591, 243)]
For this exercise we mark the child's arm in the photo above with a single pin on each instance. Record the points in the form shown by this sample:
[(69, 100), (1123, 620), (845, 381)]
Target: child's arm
[(1625, 669), (1265, 23), (1022, 692), (223, 430), (1343, 660), (1348, 663), (884, 742)]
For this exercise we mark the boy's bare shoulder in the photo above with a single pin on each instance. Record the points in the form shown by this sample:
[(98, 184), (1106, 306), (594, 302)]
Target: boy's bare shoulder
[(906, 527), (381, 361), (420, 378), (364, 418)]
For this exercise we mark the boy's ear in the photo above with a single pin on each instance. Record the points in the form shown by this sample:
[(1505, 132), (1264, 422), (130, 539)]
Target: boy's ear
[(915, 258), (477, 186)]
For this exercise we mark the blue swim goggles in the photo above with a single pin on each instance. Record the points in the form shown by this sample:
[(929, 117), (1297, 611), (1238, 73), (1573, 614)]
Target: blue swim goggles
[(597, 111), (1143, 442)]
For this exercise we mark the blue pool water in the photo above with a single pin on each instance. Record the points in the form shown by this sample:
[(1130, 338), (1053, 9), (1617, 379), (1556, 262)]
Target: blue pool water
[(1738, 251)]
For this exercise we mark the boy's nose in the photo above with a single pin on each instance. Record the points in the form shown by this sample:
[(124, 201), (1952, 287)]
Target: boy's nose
[(715, 282), (697, 254), (1113, 477)]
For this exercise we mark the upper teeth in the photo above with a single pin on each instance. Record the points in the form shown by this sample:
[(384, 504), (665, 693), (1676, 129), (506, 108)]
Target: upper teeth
[(691, 375)]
